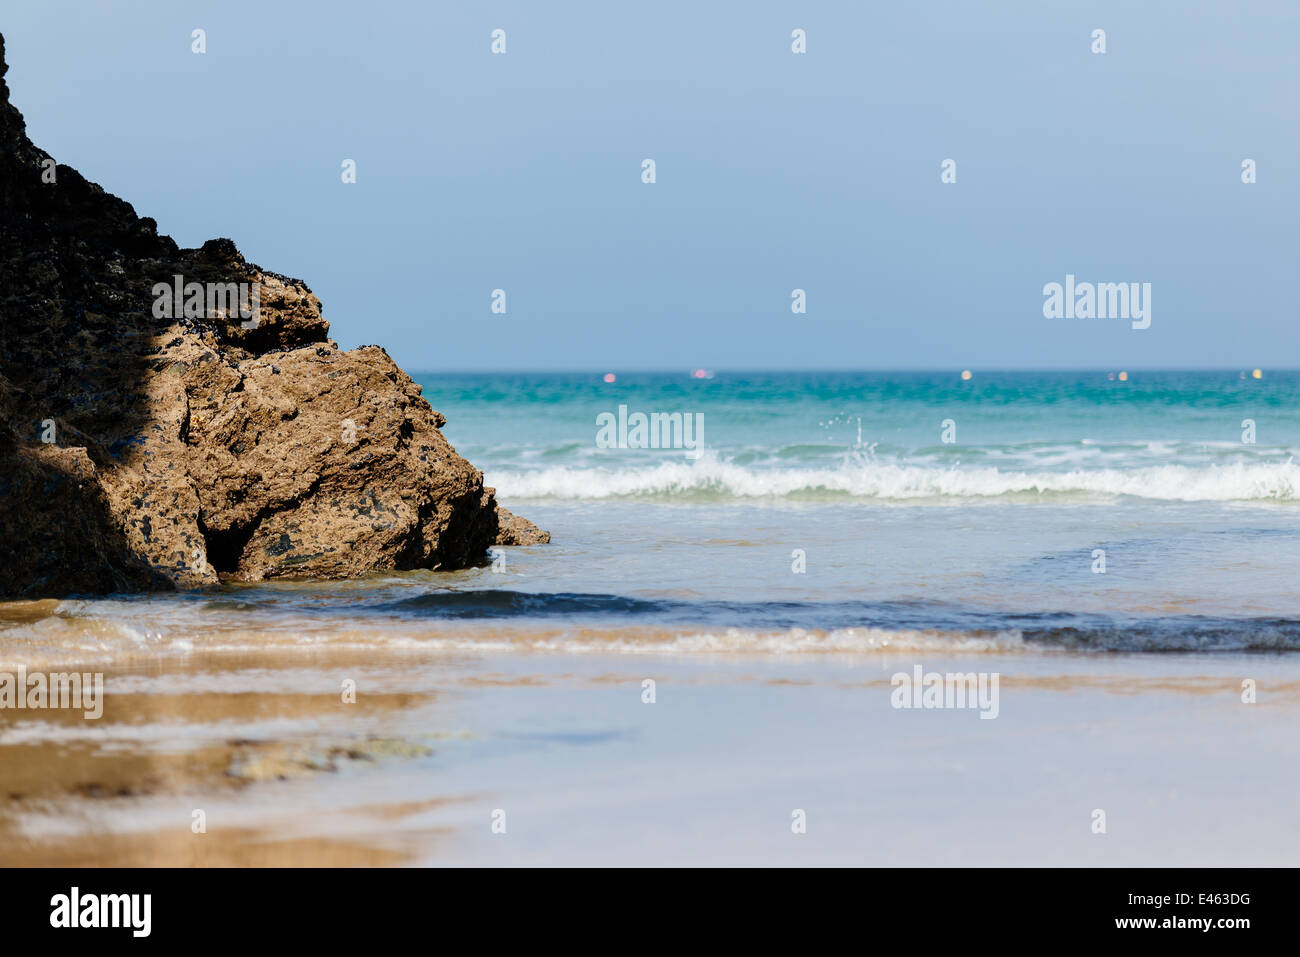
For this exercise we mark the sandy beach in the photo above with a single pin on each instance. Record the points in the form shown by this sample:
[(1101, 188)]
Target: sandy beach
[(710, 773)]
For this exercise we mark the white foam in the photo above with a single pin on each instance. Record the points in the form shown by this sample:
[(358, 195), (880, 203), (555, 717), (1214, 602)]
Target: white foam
[(1278, 482)]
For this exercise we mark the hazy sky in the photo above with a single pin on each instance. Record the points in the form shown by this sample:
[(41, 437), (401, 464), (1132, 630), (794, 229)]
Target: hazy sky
[(775, 171)]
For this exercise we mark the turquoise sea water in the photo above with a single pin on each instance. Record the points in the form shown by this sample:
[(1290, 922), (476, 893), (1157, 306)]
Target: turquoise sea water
[(997, 533), (880, 436)]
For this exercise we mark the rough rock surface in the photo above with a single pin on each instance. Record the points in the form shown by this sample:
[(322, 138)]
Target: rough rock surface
[(191, 448)]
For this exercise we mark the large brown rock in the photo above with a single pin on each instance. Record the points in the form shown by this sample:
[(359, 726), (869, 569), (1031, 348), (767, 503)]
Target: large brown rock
[(184, 449)]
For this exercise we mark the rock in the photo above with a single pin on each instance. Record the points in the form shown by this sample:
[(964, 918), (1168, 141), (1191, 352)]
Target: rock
[(513, 530), (140, 452), (255, 761)]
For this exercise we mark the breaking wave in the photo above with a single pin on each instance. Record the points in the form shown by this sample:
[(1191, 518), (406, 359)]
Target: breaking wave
[(711, 480)]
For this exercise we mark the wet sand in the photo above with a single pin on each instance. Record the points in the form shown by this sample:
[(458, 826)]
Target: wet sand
[(438, 744)]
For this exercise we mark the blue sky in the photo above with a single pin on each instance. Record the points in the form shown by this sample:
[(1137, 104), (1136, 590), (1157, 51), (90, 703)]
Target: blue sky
[(775, 171)]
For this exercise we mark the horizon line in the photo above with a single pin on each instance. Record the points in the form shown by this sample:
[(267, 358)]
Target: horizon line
[(601, 370)]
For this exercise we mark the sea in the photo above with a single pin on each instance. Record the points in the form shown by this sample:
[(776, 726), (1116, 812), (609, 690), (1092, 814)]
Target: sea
[(1151, 511)]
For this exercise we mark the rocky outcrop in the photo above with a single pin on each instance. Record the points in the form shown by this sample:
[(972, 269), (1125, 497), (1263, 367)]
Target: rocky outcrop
[(148, 443)]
